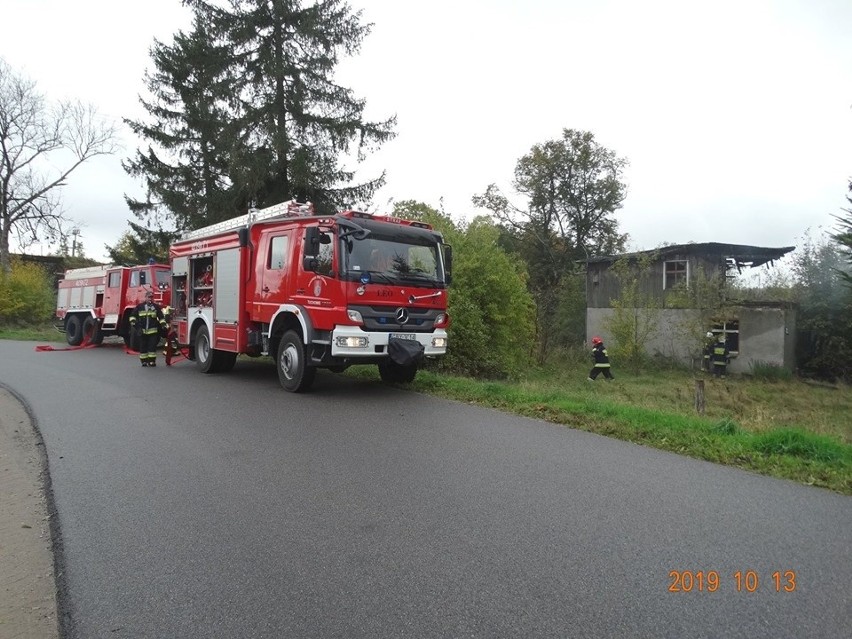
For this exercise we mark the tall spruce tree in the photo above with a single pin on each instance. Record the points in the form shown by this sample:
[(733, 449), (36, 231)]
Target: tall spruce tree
[(186, 168), (296, 124), (843, 236), (140, 244)]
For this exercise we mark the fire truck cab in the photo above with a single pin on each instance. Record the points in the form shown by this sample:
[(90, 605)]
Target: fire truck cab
[(312, 292)]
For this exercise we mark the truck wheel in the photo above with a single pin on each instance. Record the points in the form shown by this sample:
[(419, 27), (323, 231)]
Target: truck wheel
[(226, 361), (92, 331), (293, 373), (203, 352), (393, 373), (74, 330)]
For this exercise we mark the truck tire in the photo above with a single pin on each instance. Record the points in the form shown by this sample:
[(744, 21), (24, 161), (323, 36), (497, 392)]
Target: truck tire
[(293, 373), (225, 362), (92, 331), (74, 330), (204, 354), (393, 373)]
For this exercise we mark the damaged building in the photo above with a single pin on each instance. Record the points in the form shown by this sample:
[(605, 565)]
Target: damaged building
[(662, 281)]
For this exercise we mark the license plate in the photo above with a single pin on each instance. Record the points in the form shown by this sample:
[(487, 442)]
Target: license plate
[(402, 336)]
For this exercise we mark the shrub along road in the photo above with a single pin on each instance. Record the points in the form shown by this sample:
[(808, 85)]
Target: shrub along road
[(220, 506)]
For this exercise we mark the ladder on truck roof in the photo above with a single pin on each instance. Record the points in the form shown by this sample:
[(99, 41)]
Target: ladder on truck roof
[(285, 209), (86, 271)]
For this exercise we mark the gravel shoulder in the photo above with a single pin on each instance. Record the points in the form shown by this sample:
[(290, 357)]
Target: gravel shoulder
[(28, 606)]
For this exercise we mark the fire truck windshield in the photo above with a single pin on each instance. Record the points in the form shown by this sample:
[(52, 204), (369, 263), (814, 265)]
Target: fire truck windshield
[(412, 261), (163, 276)]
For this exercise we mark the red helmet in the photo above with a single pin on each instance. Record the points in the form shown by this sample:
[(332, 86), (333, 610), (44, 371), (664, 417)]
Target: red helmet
[(597, 340)]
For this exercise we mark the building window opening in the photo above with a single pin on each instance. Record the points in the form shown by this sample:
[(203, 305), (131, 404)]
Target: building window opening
[(731, 330), (676, 274)]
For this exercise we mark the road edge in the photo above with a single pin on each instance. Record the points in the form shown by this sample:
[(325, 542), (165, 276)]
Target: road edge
[(64, 623)]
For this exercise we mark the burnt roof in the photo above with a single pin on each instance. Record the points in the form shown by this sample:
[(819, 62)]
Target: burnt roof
[(741, 254)]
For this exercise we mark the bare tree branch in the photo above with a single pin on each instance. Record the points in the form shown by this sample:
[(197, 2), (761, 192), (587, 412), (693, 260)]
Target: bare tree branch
[(40, 146)]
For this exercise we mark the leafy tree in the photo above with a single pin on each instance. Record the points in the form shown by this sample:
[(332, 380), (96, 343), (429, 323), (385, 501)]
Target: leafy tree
[(636, 314), (40, 146), (573, 187), (492, 321), (824, 340)]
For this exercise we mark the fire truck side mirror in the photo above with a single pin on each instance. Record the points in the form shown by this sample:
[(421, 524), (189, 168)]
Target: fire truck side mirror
[(310, 263), (312, 243), (448, 263)]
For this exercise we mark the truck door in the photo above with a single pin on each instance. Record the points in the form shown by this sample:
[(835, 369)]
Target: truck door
[(317, 289), (136, 286), (273, 272), (112, 296)]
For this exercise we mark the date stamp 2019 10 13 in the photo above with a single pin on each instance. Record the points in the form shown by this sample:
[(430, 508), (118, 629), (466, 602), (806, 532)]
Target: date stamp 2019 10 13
[(741, 581)]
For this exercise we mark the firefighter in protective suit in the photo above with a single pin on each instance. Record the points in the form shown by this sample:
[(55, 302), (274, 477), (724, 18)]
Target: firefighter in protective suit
[(720, 357), (147, 323), (601, 358), (709, 341)]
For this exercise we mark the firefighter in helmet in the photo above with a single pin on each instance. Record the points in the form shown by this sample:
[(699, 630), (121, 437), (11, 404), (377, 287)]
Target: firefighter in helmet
[(720, 357), (601, 360), (147, 323), (709, 341)]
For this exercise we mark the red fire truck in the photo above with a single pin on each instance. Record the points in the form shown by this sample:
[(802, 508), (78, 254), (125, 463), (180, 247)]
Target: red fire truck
[(96, 302), (313, 292)]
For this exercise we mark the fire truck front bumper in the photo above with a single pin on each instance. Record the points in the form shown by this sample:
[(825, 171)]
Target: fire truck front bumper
[(353, 342)]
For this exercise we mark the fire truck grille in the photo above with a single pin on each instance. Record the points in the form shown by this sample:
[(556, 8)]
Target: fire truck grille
[(387, 318)]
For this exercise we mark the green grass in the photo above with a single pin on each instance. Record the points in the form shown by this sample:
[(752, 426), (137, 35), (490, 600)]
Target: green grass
[(45, 332), (767, 422)]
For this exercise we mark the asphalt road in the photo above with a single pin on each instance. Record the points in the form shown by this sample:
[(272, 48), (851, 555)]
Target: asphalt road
[(221, 506)]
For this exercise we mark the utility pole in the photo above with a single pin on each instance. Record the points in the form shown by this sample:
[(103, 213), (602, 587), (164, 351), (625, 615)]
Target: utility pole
[(75, 232)]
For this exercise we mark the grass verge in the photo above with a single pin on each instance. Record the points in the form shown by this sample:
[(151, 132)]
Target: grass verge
[(38, 333)]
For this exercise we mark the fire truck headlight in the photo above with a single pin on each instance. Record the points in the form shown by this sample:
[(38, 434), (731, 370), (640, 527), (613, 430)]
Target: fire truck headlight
[(355, 316), (441, 320), (439, 342), (353, 342)]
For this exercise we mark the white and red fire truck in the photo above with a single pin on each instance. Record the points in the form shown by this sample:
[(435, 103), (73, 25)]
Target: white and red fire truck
[(96, 302), (311, 291)]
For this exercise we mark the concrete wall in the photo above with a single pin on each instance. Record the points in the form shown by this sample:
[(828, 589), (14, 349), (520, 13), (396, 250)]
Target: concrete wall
[(766, 335)]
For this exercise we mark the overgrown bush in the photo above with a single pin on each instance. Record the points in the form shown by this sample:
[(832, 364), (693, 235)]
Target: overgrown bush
[(824, 339), (492, 330), (769, 372), (26, 294)]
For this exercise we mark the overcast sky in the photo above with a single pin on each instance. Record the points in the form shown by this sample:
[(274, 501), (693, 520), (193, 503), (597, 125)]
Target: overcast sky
[(735, 116)]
